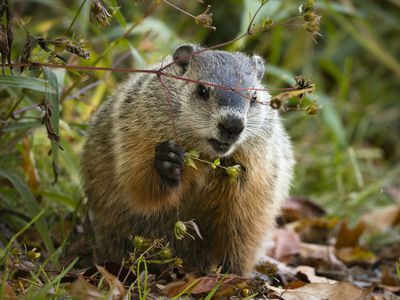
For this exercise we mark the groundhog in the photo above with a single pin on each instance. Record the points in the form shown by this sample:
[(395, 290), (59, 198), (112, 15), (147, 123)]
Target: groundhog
[(133, 161)]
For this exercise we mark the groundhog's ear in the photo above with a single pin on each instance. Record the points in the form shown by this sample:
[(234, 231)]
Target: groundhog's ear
[(258, 63), (182, 55)]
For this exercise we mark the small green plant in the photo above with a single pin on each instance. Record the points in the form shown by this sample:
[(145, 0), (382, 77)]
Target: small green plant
[(192, 155), (181, 229)]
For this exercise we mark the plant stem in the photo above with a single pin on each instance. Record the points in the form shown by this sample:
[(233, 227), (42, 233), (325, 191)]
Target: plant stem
[(77, 14)]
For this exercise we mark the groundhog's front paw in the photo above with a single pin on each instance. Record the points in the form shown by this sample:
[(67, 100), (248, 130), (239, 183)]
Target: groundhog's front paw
[(169, 162)]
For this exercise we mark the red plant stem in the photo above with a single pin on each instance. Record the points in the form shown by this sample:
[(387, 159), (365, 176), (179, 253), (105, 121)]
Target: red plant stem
[(179, 9), (169, 100), (130, 70)]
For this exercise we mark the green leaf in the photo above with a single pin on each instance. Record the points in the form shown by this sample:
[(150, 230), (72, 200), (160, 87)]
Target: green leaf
[(21, 125), (216, 163), (33, 209), (70, 162), (189, 162), (193, 153), (30, 83), (332, 118), (118, 15), (62, 199), (233, 171)]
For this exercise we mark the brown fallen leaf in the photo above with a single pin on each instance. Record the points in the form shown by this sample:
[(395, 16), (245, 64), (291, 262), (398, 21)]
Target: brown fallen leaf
[(8, 293), (356, 255), (287, 244), (295, 284), (309, 272), (171, 289), (117, 290), (297, 208), (389, 278), (227, 285), (124, 274), (176, 287), (81, 289), (315, 230), (382, 218), (321, 255), (349, 237), (231, 288), (318, 291), (385, 296)]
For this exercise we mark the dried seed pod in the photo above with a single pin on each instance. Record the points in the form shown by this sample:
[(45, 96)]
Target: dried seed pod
[(310, 17), (26, 51), (56, 58), (46, 119), (205, 19), (6, 8), (312, 22), (312, 109), (302, 84), (275, 103), (4, 47), (42, 44), (99, 13), (10, 40), (77, 50)]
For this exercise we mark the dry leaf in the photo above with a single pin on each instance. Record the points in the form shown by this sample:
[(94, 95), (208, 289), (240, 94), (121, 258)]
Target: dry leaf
[(386, 296), (382, 218), (356, 255), (312, 278), (81, 289), (287, 244), (389, 278), (348, 237), (321, 253), (318, 291), (315, 230), (295, 284), (172, 289), (298, 208), (8, 293), (204, 285), (117, 290)]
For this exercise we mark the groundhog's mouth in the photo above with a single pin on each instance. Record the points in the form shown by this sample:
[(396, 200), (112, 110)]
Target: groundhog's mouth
[(220, 147)]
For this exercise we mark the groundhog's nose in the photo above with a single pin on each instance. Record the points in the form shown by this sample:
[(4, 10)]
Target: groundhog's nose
[(231, 127)]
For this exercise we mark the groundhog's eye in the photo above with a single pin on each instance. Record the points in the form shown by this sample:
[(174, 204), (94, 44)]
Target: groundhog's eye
[(203, 91), (253, 97)]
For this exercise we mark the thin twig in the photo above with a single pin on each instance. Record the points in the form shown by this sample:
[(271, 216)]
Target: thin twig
[(248, 32), (179, 9), (76, 15), (155, 72), (169, 100)]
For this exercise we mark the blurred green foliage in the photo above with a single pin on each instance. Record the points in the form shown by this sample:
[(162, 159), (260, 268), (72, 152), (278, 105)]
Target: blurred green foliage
[(348, 155)]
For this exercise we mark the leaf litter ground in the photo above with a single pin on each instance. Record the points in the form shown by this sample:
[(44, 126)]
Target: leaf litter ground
[(312, 256)]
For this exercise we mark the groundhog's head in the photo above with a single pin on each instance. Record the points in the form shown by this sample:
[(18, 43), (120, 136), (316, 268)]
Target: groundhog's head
[(214, 118)]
